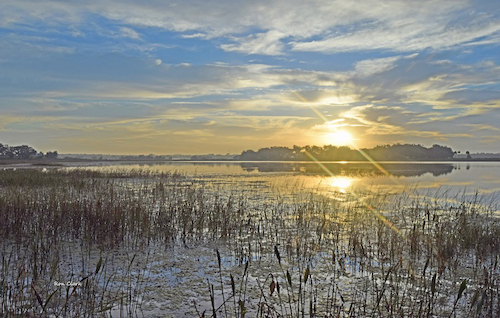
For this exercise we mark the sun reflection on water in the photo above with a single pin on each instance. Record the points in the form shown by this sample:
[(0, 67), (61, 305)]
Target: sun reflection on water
[(340, 183)]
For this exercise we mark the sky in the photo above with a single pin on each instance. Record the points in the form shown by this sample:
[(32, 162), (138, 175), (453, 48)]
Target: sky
[(223, 76)]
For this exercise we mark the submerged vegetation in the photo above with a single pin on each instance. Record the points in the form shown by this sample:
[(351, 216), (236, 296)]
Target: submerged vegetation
[(281, 253)]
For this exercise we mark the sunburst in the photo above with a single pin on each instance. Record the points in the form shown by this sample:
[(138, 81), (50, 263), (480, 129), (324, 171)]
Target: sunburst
[(339, 138)]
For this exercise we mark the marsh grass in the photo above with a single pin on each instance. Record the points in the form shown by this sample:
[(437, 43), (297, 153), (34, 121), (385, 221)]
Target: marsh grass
[(286, 253)]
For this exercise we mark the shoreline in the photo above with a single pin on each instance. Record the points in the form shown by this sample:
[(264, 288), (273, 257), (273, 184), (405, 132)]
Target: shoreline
[(62, 162)]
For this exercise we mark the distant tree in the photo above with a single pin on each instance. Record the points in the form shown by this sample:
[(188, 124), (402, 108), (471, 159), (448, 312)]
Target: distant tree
[(51, 155), (4, 151), (23, 152), (248, 155), (297, 152), (440, 152), (468, 155)]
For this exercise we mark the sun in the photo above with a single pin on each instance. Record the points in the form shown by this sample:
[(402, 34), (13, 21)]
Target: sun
[(339, 138)]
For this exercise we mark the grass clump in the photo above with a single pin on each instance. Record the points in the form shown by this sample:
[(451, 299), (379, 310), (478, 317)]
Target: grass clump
[(279, 254)]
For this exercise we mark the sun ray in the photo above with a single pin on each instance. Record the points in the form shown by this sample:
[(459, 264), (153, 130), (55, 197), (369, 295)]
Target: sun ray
[(364, 154)]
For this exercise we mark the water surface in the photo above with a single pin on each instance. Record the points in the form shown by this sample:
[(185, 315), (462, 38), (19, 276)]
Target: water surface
[(452, 178)]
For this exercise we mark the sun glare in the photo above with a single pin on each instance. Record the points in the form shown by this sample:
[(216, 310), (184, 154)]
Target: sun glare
[(339, 138), (341, 183)]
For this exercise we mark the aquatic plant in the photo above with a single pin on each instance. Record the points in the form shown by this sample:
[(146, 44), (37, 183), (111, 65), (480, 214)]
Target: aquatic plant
[(281, 252)]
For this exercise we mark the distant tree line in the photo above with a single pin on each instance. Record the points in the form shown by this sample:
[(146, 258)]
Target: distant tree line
[(150, 157), (212, 156), (24, 152), (332, 153)]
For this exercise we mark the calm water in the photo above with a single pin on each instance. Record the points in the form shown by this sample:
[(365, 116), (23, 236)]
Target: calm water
[(447, 178)]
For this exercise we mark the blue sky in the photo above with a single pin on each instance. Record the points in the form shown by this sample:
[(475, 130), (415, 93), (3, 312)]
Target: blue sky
[(165, 77)]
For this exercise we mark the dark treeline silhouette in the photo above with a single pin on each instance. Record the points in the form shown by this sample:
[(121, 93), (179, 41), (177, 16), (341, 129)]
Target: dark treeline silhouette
[(398, 152), (24, 152), (351, 169)]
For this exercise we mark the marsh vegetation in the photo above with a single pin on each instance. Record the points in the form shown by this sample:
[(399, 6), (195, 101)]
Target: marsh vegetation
[(88, 243)]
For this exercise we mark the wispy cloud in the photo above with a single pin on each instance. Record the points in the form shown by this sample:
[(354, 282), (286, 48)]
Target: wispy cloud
[(262, 43), (129, 33), (405, 38), (194, 36), (319, 25), (395, 71)]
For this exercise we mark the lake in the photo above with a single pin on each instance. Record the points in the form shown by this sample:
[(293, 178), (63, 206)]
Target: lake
[(264, 239), (452, 177)]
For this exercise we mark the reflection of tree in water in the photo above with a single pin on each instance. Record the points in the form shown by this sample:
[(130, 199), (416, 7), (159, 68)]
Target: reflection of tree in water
[(270, 166), (352, 169)]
